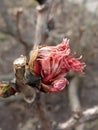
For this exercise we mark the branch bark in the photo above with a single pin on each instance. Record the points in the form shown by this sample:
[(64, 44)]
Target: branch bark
[(85, 116), (24, 81), (41, 34), (42, 31), (73, 95), (74, 98)]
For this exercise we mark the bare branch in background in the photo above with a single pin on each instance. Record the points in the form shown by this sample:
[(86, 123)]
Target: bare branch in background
[(73, 88), (42, 31), (83, 40), (74, 100), (7, 18), (12, 27), (6, 77), (19, 36), (42, 113), (85, 116), (73, 95)]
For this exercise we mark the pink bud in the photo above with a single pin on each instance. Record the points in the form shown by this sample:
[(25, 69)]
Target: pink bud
[(53, 63)]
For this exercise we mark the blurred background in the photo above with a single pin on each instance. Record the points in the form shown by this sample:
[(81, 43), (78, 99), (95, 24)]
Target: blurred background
[(74, 19)]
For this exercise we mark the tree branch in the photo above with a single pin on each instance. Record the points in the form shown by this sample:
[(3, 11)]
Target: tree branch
[(41, 34), (42, 21), (73, 95), (8, 20), (18, 13), (85, 116), (12, 28), (24, 81), (74, 98)]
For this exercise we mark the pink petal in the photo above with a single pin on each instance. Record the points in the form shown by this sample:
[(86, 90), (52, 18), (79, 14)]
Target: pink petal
[(54, 62)]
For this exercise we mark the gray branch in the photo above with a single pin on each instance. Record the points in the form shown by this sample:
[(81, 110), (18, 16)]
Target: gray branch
[(77, 119)]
